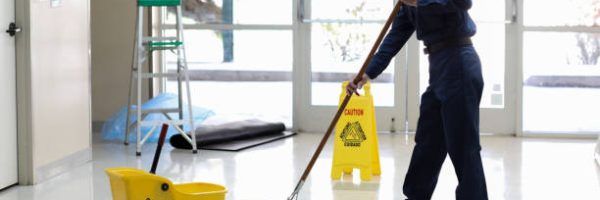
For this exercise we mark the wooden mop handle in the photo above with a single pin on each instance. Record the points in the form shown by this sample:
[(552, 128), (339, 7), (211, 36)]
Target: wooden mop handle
[(382, 33), (347, 98)]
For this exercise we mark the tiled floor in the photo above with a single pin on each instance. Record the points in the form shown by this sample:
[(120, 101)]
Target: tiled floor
[(516, 168)]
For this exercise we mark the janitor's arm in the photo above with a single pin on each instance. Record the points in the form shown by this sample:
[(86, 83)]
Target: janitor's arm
[(443, 6), (401, 30)]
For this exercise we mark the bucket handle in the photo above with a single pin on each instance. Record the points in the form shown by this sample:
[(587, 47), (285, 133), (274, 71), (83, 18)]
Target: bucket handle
[(161, 141)]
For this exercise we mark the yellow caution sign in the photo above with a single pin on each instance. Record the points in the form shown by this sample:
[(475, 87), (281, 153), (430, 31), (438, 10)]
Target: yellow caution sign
[(356, 144)]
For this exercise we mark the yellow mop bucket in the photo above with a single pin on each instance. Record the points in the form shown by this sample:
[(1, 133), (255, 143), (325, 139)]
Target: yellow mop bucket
[(135, 184), (356, 144), (130, 184)]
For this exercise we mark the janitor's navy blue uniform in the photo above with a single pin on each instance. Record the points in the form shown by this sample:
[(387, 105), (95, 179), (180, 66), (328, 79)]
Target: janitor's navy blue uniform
[(449, 120)]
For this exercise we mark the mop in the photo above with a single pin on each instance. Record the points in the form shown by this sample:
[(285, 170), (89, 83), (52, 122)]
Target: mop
[(357, 79)]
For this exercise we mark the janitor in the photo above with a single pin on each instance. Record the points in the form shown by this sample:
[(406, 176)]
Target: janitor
[(449, 112)]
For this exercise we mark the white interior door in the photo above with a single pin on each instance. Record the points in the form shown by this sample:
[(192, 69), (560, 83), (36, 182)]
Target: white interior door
[(8, 122)]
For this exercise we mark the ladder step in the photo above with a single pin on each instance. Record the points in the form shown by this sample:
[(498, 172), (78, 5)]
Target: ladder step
[(160, 75), (163, 48), (154, 44), (149, 39), (160, 122), (157, 110), (159, 2)]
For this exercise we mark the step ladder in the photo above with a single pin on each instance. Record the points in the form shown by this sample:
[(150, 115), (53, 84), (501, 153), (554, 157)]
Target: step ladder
[(144, 46)]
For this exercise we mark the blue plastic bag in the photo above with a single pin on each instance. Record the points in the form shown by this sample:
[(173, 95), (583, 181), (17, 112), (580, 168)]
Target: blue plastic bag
[(114, 127)]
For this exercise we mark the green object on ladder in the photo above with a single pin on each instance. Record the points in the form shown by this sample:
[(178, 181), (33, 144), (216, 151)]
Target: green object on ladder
[(159, 2), (165, 44)]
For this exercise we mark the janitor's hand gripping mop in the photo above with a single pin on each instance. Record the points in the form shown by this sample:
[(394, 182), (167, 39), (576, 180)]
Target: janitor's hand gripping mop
[(357, 79)]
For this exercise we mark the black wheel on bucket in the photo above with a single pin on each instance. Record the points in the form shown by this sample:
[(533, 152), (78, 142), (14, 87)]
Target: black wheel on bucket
[(126, 143), (195, 151), (138, 153)]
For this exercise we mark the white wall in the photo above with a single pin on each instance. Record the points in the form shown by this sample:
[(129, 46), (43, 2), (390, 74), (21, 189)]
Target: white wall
[(60, 79), (54, 83), (113, 27)]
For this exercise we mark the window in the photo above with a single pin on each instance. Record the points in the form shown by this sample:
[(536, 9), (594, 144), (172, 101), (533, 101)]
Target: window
[(342, 33), (558, 13), (489, 41), (242, 68), (561, 73), (561, 85), (263, 12)]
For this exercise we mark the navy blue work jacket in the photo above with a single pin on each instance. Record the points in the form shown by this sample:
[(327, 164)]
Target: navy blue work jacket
[(433, 20)]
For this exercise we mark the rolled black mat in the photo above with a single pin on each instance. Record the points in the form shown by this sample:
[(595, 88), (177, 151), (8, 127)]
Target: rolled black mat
[(240, 130)]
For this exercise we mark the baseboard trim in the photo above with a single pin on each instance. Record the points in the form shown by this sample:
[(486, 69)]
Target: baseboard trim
[(58, 167)]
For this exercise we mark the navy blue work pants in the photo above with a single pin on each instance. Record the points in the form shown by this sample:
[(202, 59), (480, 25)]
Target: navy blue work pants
[(449, 124)]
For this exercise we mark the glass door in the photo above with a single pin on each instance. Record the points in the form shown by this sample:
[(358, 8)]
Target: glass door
[(561, 72), (240, 56), (495, 43), (334, 38)]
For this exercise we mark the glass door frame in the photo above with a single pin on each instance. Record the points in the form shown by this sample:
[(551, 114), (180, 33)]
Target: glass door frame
[(521, 29), (159, 27), (494, 121), (316, 118), (497, 121), (309, 118)]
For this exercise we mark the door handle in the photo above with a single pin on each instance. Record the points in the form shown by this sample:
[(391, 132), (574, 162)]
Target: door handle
[(514, 12), (13, 29), (301, 11)]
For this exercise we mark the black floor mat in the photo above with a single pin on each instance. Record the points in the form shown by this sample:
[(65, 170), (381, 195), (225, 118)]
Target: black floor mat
[(233, 136), (238, 145)]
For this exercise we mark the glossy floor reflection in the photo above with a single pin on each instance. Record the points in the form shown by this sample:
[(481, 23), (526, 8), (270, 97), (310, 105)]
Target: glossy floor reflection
[(516, 168)]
